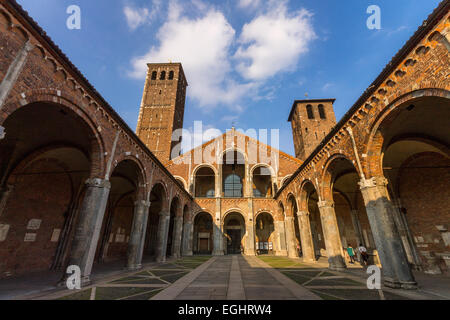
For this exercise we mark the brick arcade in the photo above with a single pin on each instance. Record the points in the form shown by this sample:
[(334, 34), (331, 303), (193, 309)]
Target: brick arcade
[(78, 186)]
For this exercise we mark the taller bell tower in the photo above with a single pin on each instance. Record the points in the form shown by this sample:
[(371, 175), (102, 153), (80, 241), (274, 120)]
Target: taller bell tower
[(162, 108)]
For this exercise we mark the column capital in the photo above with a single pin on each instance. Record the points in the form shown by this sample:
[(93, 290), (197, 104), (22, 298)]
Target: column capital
[(303, 213), (98, 183), (142, 202), (373, 182), (2, 133), (289, 218), (325, 204), (164, 213)]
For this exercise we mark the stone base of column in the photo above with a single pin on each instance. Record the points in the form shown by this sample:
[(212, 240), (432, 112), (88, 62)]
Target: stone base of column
[(292, 255), (409, 285), (187, 254), (309, 260), (217, 253), (281, 253), (391, 283), (161, 259), (250, 252), (134, 267)]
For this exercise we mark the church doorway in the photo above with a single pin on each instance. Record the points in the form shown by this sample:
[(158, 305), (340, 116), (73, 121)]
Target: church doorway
[(203, 233), (234, 230)]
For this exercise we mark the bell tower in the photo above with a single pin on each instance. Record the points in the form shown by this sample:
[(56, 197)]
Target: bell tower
[(311, 121), (162, 108)]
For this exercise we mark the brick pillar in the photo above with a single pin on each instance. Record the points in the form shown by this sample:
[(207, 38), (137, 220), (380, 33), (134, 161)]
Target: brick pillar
[(187, 238), (280, 230), (250, 230), (332, 237), (88, 227), (163, 233), (137, 237), (178, 228), (380, 212), (290, 237), (217, 232), (306, 236)]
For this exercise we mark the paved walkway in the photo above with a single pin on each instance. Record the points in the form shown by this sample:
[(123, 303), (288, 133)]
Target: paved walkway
[(235, 278)]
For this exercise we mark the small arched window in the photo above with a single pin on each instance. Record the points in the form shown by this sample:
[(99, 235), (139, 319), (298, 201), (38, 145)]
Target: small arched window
[(154, 75), (322, 112), (171, 75), (310, 112), (162, 76)]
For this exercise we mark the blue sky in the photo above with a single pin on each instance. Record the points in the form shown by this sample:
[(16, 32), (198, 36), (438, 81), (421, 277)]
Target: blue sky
[(246, 61)]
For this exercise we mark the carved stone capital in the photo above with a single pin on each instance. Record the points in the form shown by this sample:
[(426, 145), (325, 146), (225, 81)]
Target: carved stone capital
[(98, 183), (325, 204), (142, 203), (372, 182), (303, 213)]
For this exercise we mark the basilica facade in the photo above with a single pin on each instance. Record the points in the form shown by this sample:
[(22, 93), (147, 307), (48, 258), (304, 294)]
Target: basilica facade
[(79, 187)]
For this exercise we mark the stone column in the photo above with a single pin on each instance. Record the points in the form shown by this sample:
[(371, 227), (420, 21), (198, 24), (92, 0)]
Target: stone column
[(357, 227), (281, 239), (250, 245), (187, 238), (306, 237), (163, 233), (178, 228), (332, 237), (137, 236), (88, 226), (250, 230), (217, 232), (290, 237), (380, 212)]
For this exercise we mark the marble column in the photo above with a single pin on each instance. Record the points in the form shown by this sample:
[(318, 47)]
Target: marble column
[(187, 238), (281, 239), (380, 212), (290, 237), (178, 228), (332, 236), (88, 227), (137, 236), (306, 236), (163, 233)]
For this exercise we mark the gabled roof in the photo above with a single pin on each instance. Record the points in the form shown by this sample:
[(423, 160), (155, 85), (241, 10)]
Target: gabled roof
[(236, 133)]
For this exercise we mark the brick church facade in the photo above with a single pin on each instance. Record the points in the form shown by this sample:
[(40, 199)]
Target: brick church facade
[(78, 186)]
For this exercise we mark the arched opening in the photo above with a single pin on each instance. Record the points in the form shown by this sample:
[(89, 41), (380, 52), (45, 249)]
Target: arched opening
[(309, 111), (353, 222), (203, 233), (158, 203), (234, 232), (118, 220), (45, 158), (264, 232), (262, 182), (171, 75), (233, 174), (174, 207), (292, 203), (416, 160), (318, 238), (154, 75), (205, 183), (162, 76), (321, 111)]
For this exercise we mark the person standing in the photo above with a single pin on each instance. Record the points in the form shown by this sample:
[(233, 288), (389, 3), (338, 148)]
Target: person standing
[(363, 251), (351, 254)]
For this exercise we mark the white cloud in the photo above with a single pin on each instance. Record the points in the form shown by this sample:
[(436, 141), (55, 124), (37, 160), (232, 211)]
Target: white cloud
[(245, 4), (203, 46), (137, 17), (273, 41), (200, 37)]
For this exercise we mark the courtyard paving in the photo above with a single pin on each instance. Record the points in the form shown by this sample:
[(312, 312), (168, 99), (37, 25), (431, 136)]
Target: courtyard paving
[(237, 277)]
